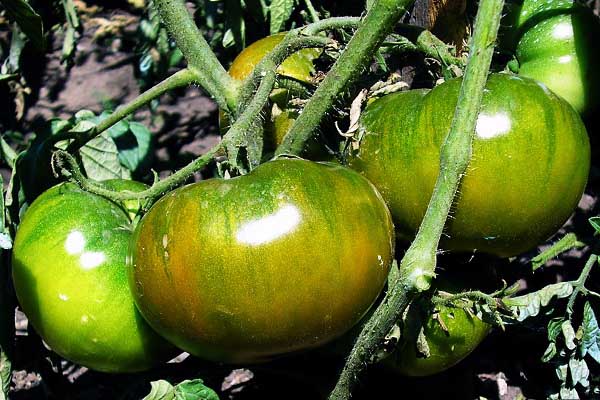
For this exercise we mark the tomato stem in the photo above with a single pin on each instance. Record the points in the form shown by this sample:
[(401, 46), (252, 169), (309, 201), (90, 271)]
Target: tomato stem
[(211, 75), (377, 24), (233, 139), (417, 267), (179, 79)]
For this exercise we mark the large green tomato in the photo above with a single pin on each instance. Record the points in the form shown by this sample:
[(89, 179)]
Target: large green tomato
[(296, 76), (69, 272), (530, 162), (557, 44), (451, 336), (285, 258)]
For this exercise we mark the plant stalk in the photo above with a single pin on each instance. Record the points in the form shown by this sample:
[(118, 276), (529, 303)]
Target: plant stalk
[(210, 73), (417, 267), (377, 24)]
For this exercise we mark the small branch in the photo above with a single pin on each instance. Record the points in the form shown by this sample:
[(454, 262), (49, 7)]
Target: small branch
[(314, 15), (331, 24), (417, 267), (579, 284), (377, 24), (209, 72), (568, 242), (179, 79), (234, 137)]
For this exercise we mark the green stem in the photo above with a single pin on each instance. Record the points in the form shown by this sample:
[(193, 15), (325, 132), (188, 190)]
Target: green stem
[(314, 15), (568, 242), (417, 268), (377, 24), (179, 79), (331, 24), (579, 284), (417, 39), (234, 138), (209, 72)]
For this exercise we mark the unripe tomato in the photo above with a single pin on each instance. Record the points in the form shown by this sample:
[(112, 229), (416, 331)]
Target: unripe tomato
[(452, 333), (295, 79), (283, 259), (69, 273), (529, 166), (556, 43)]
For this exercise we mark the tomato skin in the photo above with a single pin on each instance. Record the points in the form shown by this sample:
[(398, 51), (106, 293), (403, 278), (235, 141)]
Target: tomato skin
[(447, 348), (295, 80), (69, 273), (280, 260), (556, 43), (530, 162)]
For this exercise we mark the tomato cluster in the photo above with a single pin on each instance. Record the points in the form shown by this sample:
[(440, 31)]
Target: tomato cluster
[(295, 253)]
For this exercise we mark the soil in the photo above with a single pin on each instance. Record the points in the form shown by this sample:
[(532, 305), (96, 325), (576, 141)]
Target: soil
[(506, 366)]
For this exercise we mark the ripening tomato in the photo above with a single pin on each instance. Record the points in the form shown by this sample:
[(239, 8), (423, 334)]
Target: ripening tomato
[(530, 162), (69, 273), (556, 43), (283, 259)]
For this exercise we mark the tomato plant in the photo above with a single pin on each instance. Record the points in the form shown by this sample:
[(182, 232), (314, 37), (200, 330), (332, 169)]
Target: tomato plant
[(70, 277), (555, 44), (252, 259), (530, 163)]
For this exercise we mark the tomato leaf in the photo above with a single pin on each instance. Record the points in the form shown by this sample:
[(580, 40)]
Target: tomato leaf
[(186, 390), (580, 372), (28, 20), (567, 393), (590, 342), (529, 305), (161, 390), (281, 11), (569, 334), (194, 390), (595, 222), (100, 158), (6, 311)]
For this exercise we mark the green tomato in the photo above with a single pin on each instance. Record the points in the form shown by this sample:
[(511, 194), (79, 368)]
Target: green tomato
[(283, 259), (556, 43), (451, 334), (530, 162), (296, 76), (69, 273)]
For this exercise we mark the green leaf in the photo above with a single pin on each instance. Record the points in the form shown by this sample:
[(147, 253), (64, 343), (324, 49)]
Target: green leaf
[(580, 372), (554, 328), (569, 334), (29, 21), (235, 32), (562, 372), (161, 390), (549, 353), (100, 158), (595, 222), (590, 342), (281, 11), (530, 304), (186, 390), (567, 393), (134, 146), (194, 390), (6, 311)]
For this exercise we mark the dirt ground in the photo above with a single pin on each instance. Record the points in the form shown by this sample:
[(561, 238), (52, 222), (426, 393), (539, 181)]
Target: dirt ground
[(506, 366)]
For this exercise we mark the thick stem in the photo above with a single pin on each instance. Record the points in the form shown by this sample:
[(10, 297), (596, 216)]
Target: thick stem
[(378, 23), (417, 268), (209, 72), (179, 79)]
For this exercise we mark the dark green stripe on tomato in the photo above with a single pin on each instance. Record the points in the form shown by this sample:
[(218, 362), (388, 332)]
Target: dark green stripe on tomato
[(283, 259), (529, 166)]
